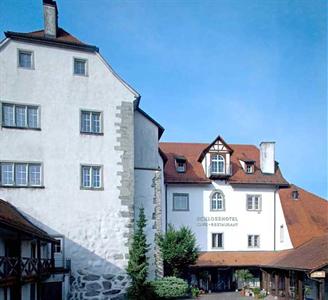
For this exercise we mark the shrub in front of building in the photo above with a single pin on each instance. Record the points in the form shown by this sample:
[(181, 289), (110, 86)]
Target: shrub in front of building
[(178, 249), (138, 265), (170, 287)]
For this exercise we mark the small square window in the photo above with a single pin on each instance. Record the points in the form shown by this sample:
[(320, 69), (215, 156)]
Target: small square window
[(91, 177), (253, 241), (254, 202), (91, 122), (180, 202), (80, 66), (25, 59)]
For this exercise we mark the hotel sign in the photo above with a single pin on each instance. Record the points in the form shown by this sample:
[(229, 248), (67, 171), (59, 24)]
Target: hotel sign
[(318, 274), (217, 221)]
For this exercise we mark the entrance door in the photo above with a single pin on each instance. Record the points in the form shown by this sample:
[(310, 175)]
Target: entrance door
[(51, 291)]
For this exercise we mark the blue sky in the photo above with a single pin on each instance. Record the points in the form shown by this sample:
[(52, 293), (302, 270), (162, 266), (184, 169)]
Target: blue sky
[(249, 70)]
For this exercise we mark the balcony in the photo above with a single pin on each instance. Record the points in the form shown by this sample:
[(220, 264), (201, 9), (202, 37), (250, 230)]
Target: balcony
[(14, 269), (225, 173)]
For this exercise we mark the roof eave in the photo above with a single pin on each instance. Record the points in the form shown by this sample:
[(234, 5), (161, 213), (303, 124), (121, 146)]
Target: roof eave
[(49, 41)]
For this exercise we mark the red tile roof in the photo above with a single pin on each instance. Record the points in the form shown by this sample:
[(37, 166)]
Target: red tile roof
[(63, 38), (13, 219), (310, 256), (306, 217), (195, 172), (236, 258)]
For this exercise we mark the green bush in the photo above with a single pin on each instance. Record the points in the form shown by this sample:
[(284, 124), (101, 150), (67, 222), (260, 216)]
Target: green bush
[(178, 249), (170, 287), (195, 292)]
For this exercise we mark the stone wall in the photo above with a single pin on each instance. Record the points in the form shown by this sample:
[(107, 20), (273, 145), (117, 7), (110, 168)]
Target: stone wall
[(126, 145), (86, 285), (157, 222)]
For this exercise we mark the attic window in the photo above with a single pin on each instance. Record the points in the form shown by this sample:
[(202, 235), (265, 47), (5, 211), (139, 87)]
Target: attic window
[(249, 168), (180, 164), (295, 195)]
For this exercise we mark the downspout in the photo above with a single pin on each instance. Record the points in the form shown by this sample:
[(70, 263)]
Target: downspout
[(165, 207), (274, 215)]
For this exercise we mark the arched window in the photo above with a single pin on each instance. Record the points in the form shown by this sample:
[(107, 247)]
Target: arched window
[(217, 164), (217, 201)]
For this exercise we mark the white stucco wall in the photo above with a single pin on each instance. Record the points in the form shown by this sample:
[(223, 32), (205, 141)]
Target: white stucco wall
[(89, 220), (286, 243), (245, 222), (148, 181), (146, 142)]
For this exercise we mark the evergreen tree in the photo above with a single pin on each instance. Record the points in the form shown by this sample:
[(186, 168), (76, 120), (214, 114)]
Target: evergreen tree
[(179, 250), (138, 265)]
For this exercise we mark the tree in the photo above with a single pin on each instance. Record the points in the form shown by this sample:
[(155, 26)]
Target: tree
[(179, 250), (138, 265), (244, 276)]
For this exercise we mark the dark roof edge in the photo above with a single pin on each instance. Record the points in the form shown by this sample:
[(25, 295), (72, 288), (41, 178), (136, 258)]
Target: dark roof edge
[(279, 184), (48, 41), (160, 127), (38, 231), (188, 182)]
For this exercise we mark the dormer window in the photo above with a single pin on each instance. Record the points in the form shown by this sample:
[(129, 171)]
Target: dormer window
[(217, 164), (180, 164), (295, 195), (249, 168)]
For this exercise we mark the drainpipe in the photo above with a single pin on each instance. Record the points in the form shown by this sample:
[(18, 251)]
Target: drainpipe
[(165, 207), (274, 216)]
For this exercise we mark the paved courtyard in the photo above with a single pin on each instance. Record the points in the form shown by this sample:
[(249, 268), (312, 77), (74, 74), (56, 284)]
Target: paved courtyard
[(227, 296)]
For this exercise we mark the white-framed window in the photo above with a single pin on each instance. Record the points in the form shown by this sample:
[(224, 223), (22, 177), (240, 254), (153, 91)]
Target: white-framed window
[(58, 247), (282, 233), (254, 202), (20, 116), (249, 168), (91, 177), (217, 164), (253, 241), (20, 174), (80, 66), (180, 202), (91, 122), (181, 166), (217, 201), (217, 240), (25, 59)]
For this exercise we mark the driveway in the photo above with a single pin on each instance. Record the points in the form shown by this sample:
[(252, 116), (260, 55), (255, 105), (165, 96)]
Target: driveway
[(223, 296), (228, 296)]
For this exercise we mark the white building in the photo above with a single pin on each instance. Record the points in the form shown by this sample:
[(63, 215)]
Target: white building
[(79, 157), (71, 158), (244, 214), (223, 193)]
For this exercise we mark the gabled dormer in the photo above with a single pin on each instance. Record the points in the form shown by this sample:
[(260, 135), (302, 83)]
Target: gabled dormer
[(216, 159), (248, 165)]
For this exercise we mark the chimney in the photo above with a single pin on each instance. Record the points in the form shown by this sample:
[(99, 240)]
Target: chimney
[(267, 160), (50, 13)]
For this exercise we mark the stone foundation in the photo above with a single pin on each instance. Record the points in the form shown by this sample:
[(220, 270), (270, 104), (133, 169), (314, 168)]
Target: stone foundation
[(88, 286)]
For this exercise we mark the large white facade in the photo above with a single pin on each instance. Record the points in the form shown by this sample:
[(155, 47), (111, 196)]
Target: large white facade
[(235, 221), (96, 224)]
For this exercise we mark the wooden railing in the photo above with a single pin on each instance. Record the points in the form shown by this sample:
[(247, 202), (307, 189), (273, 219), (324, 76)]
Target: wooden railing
[(21, 268)]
